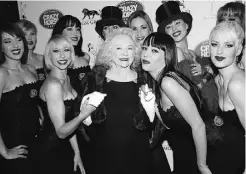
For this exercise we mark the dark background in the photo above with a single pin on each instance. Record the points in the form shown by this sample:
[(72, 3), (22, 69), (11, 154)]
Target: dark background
[(8, 11)]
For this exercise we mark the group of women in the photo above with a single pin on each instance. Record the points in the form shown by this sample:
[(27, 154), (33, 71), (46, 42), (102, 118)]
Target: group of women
[(59, 115)]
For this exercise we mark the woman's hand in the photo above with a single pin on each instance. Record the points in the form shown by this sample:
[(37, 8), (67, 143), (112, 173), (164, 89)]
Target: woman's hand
[(204, 169), (78, 163), (147, 99), (17, 152), (196, 69)]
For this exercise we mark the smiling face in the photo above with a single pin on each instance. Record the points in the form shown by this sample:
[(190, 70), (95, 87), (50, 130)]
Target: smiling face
[(31, 38), (123, 51), (152, 58), (224, 48), (12, 46), (177, 30), (73, 33), (140, 28), (60, 54)]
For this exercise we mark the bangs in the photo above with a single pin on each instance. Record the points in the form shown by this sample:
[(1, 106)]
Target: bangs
[(231, 13), (73, 22), (14, 30), (153, 41)]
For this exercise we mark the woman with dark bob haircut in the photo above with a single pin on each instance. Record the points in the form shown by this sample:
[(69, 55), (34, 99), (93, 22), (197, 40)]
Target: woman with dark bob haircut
[(19, 112), (177, 103)]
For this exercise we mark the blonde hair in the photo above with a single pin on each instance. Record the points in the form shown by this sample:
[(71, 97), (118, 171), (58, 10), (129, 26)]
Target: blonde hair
[(56, 39), (233, 28), (104, 55)]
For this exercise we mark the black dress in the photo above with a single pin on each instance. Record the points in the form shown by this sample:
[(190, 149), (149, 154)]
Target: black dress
[(227, 152), (76, 75), (19, 124), (180, 139), (41, 74), (56, 155), (116, 145)]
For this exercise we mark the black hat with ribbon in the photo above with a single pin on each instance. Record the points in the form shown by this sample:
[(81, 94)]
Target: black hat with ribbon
[(110, 15), (170, 11)]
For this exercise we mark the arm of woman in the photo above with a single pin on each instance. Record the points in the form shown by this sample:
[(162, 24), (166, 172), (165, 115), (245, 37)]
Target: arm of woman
[(56, 109), (18, 151), (236, 92), (77, 158), (182, 100)]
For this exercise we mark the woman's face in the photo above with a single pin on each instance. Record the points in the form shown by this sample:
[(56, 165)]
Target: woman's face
[(61, 54), (12, 46), (73, 33), (152, 58), (230, 17), (123, 51), (140, 28), (108, 30), (223, 48), (177, 30), (31, 38)]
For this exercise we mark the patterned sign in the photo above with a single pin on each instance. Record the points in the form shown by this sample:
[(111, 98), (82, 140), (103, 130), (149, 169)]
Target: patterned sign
[(128, 7), (49, 18)]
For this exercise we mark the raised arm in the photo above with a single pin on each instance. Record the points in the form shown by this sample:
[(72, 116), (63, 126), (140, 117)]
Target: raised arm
[(182, 100)]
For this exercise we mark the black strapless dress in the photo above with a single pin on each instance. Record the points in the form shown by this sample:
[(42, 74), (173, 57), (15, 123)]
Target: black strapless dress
[(227, 152), (19, 124), (56, 155)]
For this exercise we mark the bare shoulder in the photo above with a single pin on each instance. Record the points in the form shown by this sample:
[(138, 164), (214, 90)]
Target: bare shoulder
[(3, 74), (81, 61), (40, 56), (168, 84), (87, 56), (50, 87), (237, 82)]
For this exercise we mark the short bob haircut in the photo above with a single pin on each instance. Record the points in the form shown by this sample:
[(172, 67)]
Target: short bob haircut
[(233, 28), (56, 39), (27, 25), (232, 9), (144, 16), (104, 55), (14, 30), (69, 21)]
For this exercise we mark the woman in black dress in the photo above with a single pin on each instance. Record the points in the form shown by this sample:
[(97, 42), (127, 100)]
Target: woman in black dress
[(19, 113), (178, 104), (227, 153), (35, 59), (59, 151), (119, 139)]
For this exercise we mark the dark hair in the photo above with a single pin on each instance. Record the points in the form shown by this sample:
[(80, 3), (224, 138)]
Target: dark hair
[(14, 30), (236, 8), (166, 43), (69, 21)]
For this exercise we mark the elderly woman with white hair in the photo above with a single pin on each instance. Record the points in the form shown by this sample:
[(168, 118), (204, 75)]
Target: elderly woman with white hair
[(119, 139)]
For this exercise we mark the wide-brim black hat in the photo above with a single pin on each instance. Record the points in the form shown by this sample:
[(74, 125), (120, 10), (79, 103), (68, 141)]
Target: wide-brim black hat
[(110, 15), (170, 11)]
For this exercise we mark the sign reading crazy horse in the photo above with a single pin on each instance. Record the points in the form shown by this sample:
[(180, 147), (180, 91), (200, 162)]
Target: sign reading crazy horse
[(49, 18), (128, 7)]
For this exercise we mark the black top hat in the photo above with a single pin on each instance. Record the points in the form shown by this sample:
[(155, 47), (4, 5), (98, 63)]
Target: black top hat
[(170, 11), (110, 15)]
